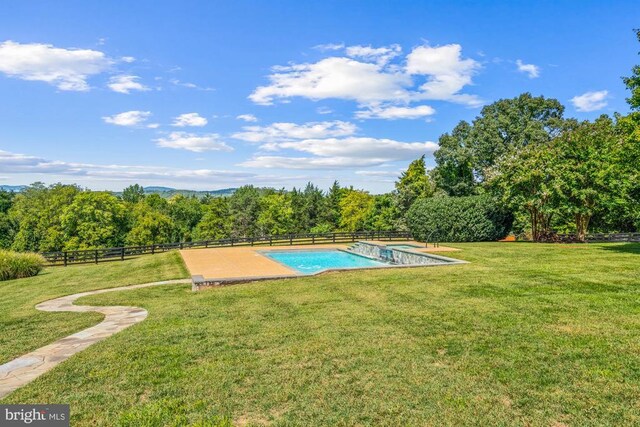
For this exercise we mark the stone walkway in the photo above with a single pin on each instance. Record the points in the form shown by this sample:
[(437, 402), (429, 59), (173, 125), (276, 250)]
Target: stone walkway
[(26, 368)]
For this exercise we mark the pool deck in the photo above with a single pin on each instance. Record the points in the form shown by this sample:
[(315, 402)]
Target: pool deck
[(247, 262)]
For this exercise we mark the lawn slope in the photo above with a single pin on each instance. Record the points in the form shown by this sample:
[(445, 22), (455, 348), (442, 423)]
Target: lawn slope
[(529, 334)]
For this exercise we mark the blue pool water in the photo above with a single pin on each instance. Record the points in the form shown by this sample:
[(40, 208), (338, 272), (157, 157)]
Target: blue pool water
[(310, 262)]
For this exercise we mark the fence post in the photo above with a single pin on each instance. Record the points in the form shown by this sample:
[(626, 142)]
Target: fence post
[(122, 253), (153, 249), (65, 258), (232, 241), (251, 240), (290, 239), (96, 256), (313, 239)]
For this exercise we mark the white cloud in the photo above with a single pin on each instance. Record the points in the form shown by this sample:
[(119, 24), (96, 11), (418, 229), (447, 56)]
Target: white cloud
[(329, 46), (447, 73), (126, 84), (128, 59), (590, 101), (14, 163), (394, 112), (380, 55), (247, 117), (193, 142), (337, 153), (334, 77), (67, 69), (324, 110), (531, 70), (189, 119), (390, 79), (282, 132), (129, 118), (190, 85)]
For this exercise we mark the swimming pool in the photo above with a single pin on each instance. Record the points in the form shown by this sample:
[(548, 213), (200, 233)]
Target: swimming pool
[(311, 262)]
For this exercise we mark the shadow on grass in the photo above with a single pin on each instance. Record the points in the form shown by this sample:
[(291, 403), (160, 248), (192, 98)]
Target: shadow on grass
[(628, 248)]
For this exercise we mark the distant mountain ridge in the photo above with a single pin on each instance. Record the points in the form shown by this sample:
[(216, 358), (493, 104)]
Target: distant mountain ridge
[(162, 191), (168, 192), (15, 188)]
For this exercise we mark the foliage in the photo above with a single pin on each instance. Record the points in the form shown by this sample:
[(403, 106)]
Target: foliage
[(501, 129), (215, 223), (355, 207), (14, 265), (413, 184), (633, 82), (149, 227), (458, 219), (93, 220), (276, 214), (133, 193)]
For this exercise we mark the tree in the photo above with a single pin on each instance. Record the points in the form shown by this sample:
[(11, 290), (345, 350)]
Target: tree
[(244, 206), (355, 207), (454, 173), (93, 220), (216, 221), (185, 212), (149, 227), (133, 193), (413, 184), (526, 180), (36, 211), (383, 215), (275, 215), (331, 211), (502, 128), (633, 82), (585, 172)]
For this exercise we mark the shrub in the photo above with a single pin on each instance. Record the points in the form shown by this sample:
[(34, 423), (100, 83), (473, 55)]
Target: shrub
[(16, 265), (458, 219)]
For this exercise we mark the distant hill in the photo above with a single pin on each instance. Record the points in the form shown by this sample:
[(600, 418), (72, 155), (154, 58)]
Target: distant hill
[(169, 192), (14, 188)]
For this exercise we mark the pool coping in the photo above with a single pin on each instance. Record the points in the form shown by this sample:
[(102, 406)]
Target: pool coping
[(199, 282)]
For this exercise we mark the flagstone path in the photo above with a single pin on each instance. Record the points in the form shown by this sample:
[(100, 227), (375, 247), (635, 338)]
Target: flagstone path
[(26, 368)]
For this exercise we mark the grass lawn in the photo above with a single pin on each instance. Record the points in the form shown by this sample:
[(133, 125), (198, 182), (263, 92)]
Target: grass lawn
[(23, 328), (526, 334)]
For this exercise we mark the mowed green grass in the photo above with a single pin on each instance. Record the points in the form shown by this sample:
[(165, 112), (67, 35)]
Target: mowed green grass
[(526, 334), (23, 328)]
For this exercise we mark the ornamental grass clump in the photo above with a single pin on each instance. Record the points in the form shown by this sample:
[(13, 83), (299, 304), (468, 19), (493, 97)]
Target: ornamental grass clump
[(16, 265)]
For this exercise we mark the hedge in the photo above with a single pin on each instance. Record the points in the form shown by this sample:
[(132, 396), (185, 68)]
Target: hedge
[(16, 265), (458, 219)]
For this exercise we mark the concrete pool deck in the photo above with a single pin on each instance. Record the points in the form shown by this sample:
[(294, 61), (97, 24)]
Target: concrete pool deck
[(247, 262)]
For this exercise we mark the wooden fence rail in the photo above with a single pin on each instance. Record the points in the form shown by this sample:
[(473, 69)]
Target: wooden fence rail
[(120, 254)]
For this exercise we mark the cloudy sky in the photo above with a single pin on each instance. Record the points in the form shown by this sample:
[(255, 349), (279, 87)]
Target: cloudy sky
[(208, 95)]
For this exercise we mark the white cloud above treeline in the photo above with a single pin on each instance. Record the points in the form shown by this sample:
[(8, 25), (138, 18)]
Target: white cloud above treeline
[(531, 70), (371, 76), (66, 69), (591, 101)]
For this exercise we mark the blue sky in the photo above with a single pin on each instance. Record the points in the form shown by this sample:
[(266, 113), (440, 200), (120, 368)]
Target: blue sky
[(207, 95)]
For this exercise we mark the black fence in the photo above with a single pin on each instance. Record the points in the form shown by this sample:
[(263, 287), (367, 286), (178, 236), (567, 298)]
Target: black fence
[(120, 254)]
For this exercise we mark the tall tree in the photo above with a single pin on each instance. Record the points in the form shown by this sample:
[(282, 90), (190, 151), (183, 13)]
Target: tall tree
[(244, 206), (585, 172), (413, 184), (133, 193), (454, 173), (216, 222), (633, 82), (275, 214), (93, 220), (503, 127), (355, 207)]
